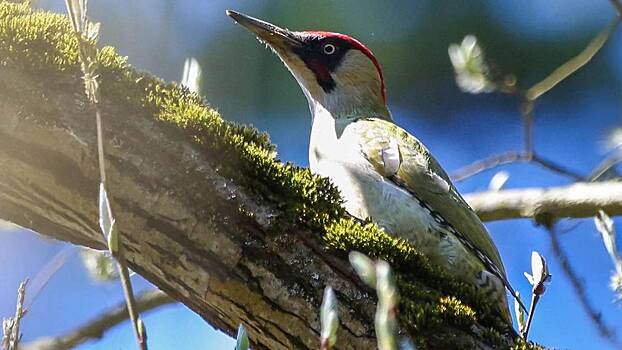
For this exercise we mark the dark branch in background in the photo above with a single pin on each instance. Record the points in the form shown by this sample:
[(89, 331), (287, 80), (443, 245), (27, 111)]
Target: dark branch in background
[(551, 204), (527, 114), (513, 157), (577, 284), (96, 328), (618, 7), (529, 98)]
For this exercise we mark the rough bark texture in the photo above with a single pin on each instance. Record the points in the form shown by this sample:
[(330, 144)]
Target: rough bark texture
[(179, 219), (218, 238)]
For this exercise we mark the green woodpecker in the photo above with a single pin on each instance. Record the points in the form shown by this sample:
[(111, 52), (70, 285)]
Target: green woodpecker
[(382, 171)]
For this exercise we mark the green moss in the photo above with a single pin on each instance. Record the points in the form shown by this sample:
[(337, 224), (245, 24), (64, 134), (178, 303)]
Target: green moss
[(42, 43), (526, 345)]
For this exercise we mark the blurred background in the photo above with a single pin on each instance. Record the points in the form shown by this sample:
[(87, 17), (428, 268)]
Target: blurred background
[(246, 83)]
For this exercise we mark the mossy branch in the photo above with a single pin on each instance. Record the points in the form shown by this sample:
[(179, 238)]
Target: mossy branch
[(208, 213)]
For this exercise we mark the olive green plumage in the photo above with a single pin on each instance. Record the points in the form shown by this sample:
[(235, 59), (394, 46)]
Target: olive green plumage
[(420, 174)]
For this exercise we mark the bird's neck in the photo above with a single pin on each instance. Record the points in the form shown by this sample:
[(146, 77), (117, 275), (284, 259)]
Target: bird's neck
[(334, 106), (325, 124)]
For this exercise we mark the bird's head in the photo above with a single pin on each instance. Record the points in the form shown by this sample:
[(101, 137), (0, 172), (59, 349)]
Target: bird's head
[(335, 71)]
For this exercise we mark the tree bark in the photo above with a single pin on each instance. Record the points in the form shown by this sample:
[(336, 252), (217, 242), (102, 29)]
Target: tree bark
[(225, 246), (179, 219)]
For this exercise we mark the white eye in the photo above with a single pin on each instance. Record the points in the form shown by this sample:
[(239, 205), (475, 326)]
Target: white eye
[(329, 49)]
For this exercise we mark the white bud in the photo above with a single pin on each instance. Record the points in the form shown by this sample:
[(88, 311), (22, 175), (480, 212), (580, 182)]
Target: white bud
[(329, 319), (364, 267), (386, 323), (470, 67), (498, 180), (191, 77), (107, 221), (385, 285), (604, 225), (539, 273)]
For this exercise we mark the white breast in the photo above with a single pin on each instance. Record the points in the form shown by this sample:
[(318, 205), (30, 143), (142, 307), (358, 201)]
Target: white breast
[(335, 153)]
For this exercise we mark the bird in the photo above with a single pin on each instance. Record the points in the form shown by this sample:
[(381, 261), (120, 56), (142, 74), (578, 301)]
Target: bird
[(382, 171)]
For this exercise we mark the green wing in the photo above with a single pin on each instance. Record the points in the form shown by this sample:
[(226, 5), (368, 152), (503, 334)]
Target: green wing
[(420, 174)]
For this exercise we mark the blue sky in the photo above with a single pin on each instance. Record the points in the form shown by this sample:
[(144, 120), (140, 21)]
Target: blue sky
[(570, 126)]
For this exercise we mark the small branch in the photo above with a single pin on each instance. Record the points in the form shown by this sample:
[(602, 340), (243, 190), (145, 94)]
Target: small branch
[(532, 308), (527, 115), (509, 158), (618, 7), (557, 168), (10, 326), (124, 275), (486, 164), (86, 35), (603, 329), (96, 328), (100, 144), (529, 96), (573, 201), (606, 165), (574, 64)]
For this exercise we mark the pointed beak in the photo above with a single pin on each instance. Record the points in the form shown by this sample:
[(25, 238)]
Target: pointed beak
[(278, 38)]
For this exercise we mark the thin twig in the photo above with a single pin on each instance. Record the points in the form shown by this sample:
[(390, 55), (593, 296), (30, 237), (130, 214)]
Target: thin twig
[(529, 97), (509, 158), (532, 308), (603, 329), (131, 302), (96, 328), (86, 35), (618, 7), (46, 273), (606, 165), (527, 116), (557, 168), (100, 144), (574, 64), (570, 228), (486, 164), (10, 326)]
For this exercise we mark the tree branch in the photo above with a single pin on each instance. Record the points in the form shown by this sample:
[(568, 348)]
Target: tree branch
[(528, 156), (606, 165), (574, 201), (96, 328), (205, 211)]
